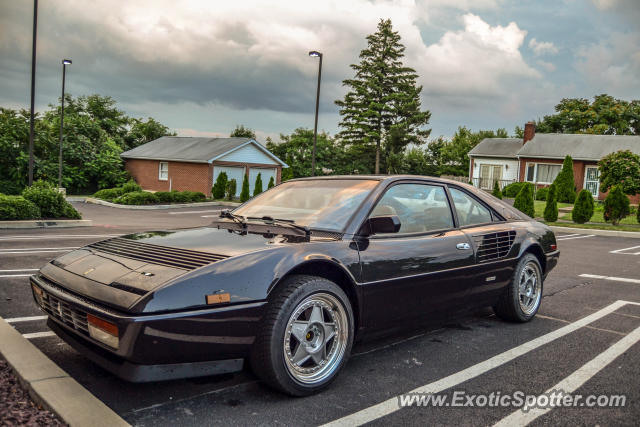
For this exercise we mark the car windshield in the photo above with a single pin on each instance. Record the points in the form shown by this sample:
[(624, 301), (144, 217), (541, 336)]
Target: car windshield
[(321, 204)]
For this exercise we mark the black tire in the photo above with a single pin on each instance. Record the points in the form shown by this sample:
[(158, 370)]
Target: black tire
[(509, 307), (268, 359)]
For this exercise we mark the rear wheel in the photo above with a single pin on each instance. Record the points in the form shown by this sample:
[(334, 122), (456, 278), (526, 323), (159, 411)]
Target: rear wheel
[(521, 301), (306, 336)]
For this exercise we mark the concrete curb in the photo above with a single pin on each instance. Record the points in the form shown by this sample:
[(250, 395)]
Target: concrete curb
[(52, 387), (46, 223), (611, 233), (152, 207)]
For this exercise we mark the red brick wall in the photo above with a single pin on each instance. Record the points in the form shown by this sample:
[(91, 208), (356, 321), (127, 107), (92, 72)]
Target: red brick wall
[(183, 176)]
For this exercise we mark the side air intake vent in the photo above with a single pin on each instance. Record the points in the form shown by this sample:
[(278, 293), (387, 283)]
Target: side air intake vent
[(494, 245), (154, 254)]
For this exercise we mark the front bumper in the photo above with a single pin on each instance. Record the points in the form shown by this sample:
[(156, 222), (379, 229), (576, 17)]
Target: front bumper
[(155, 346), (552, 260)]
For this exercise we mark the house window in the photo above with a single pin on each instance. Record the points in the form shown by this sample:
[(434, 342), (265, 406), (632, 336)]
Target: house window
[(163, 171), (542, 173)]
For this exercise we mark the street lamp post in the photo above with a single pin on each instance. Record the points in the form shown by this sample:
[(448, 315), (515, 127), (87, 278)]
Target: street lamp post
[(315, 53), (65, 62), (33, 89)]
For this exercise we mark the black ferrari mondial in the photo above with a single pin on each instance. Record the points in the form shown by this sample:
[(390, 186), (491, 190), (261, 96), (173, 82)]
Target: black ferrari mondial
[(291, 278)]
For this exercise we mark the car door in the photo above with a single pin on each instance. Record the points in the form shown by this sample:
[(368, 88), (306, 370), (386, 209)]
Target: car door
[(423, 269), (492, 239)]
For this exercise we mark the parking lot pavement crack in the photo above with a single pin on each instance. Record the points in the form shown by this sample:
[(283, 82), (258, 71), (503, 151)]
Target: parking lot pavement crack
[(48, 378), (559, 291)]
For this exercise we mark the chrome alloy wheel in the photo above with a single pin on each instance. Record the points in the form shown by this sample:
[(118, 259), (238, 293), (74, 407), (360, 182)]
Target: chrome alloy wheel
[(316, 338), (529, 292)]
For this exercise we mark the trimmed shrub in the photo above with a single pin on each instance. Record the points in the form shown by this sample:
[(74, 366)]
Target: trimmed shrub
[(131, 187), (524, 200), (109, 194), (195, 196), (257, 188), (164, 196), (496, 190), (137, 198), (70, 212), (541, 193), (232, 187), (244, 194), (180, 196), (49, 200), (583, 208), (512, 189), (564, 182), (551, 207), (616, 205), (220, 186), (17, 207), (273, 184)]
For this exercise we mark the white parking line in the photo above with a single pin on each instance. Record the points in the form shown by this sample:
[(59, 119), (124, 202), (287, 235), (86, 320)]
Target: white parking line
[(575, 380), (24, 319), (194, 212), (390, 406), (612, 278), (35, 250), (576, 237), (16, 275), (39, 335), (19, 269), (567, 235), (624, 251), (57, 236)]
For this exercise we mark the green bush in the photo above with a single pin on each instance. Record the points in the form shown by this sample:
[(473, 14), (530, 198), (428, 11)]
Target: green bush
[(232, 187), (496, 190), (137, 198), (109, 194), (638, 214), (583, 208), (273, 184), (565, 183), (541, 193), (244, 194), (512, 189), (551, 207), (48, 199), (524, 200), (220, 186), (180, 197), (164, 196), (10, 187), (616, 205), (17, 207), (257, 188), (70, 212), (131, 187), (195, 196)]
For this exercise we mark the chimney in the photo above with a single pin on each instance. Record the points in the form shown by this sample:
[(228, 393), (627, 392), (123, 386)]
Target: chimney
[(529, 132)]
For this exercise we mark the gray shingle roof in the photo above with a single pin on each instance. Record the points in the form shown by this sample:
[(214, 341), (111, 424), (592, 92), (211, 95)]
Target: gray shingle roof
[(578, 146), (497, 147), (190, 149)]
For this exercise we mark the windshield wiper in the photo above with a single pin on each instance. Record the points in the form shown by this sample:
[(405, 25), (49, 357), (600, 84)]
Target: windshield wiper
[(280, 221), (236, 218)]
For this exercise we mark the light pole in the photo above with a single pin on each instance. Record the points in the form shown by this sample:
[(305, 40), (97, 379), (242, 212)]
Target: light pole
[(315, 126), (33, 89), (65, 62)]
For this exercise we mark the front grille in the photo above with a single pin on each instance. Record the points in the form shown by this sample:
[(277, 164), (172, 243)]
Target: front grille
[(494, 245), (185, 259), (70, 316)]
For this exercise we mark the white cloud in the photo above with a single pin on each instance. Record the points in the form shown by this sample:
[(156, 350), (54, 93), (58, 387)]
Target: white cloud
[(548, 66), (541, 48)]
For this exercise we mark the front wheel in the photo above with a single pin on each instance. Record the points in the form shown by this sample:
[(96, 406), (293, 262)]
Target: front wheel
[(522, 297), (306, 336)]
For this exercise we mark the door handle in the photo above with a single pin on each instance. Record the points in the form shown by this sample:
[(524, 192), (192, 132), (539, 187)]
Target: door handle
[(463, 246)]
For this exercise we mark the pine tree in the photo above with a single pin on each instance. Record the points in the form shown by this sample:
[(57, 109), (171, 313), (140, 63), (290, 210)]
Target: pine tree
[(244, 194), (565, 184), (583, 208), (271, 183), (524, 200), (232, 186), (496, 190), (220, 186), (551, 208), (383, 102), (257, 187), (616, 205)]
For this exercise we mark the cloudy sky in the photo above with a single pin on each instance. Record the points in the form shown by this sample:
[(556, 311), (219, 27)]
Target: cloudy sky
[(201, 67)]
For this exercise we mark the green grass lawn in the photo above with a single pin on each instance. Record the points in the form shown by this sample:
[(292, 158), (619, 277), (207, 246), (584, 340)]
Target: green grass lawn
[(630, 223), (539, 205)]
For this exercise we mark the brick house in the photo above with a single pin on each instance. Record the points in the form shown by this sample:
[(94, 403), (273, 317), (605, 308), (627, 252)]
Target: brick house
[(189, 163), (538, 158)]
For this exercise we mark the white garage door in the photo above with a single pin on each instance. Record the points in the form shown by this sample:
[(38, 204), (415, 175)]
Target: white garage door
[(267, 173), (233, 172)]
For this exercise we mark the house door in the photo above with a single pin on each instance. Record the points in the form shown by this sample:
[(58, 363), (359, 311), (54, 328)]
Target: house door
[(592, 180), (488, 175)]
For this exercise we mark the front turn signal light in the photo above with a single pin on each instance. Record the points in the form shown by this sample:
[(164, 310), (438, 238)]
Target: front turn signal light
[(103, 331)]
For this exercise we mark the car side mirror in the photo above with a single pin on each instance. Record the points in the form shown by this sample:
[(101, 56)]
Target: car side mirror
[(382, 224)]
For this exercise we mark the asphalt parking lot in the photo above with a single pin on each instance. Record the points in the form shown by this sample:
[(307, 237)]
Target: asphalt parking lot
[(597, 279)]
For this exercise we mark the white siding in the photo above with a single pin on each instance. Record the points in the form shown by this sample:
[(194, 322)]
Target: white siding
[(266, 175), (510, 167), (248, 154), (233, 172)]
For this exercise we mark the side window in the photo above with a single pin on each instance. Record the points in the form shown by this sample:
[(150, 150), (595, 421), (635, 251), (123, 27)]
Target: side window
[(469, 210), (420, 207)]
